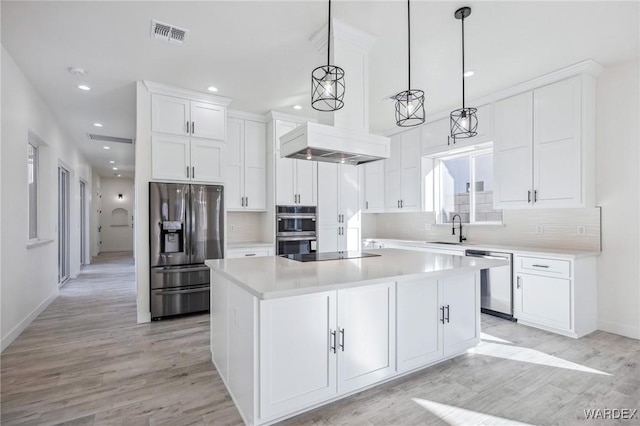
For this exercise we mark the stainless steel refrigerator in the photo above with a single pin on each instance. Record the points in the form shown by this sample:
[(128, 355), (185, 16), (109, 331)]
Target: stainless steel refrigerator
[(186, 224)]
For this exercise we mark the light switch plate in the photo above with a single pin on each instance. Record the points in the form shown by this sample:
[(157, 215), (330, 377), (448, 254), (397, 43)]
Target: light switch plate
[(539, 229)]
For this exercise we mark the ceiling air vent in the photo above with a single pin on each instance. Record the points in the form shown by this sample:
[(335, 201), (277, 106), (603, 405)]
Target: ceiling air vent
[(103, 138), (168, 32)]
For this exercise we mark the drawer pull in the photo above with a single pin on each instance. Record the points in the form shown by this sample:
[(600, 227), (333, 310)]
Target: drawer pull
[(540, 266), (250, 254)]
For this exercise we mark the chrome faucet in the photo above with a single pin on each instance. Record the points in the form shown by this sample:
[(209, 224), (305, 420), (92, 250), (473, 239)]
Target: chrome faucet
[(453, 228)]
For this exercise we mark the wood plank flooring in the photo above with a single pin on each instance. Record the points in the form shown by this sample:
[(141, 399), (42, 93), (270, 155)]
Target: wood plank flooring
[(85, 361)]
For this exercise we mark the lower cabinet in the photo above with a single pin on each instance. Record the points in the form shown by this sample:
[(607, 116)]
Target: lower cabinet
[(436, 319), (315, 346), (258, 251), (558, 295)]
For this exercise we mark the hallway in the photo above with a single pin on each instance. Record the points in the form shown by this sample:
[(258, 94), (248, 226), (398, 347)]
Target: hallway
[(84, 359)]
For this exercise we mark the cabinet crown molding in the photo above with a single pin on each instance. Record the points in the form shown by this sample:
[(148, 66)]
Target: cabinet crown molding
[(242, 115), (186, 93), (277, 115)]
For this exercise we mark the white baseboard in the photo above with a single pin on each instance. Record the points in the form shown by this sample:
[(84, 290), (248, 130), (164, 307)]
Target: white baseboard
[(621, 329), (18, 329)]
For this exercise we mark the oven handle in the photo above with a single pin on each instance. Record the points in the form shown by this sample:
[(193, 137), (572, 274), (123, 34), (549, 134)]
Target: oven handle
[(308, 238), (297, 216), (191, 290), (174, 269)]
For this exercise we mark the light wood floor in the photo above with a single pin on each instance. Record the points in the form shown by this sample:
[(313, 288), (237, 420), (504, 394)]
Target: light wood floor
[(85, 361)]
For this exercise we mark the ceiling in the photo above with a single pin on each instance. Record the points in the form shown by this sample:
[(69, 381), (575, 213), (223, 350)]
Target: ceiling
[(259, 54)]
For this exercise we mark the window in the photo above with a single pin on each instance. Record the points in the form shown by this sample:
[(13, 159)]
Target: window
[(464, 186), (33, 191)]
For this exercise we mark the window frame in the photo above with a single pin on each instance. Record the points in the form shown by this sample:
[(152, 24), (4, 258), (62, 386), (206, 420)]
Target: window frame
[(437, 183), (36, 180)]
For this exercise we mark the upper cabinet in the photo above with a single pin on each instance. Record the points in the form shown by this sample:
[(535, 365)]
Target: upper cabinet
[(544, 146), (372, 185), (402, 173), (435, 136), (178, 116), (338, 212), (187, 139), (296, 180), (245, 183)]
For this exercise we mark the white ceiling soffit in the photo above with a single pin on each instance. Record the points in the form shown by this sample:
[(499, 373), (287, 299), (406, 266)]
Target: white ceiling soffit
[(258, 52)]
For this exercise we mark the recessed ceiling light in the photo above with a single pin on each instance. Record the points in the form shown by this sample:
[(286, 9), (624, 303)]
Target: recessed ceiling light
[(212, 89), (468, 73), (83, 87), (106, 147), (97, 124), (297, 107), (112, 162), (115, 168)]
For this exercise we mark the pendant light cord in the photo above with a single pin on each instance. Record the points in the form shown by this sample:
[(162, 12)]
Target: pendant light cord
[(329, 37), (409, 41), (463, 61)]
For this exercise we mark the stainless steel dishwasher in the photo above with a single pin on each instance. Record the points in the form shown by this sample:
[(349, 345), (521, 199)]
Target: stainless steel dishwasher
[(496, 285)]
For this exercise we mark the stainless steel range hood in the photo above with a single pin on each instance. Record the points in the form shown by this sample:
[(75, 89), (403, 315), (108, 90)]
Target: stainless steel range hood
[(319, 142)]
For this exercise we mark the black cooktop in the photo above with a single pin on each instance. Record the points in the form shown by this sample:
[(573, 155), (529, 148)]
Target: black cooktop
[(331, 255)]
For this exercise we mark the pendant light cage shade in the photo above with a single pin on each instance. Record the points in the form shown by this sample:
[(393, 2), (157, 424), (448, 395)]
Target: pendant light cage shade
[(464, 123), (327, 88), (409, 108)]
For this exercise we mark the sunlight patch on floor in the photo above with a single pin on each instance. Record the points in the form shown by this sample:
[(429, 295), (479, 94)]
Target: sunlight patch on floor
[(518, 353), (490, 338), (457, 416)]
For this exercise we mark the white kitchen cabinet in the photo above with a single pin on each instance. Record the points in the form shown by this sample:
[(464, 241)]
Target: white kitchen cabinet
[(338, 212), (543, 146), (373, 183), (258, 251), (365, 335), (296, 182), (435, 137), (556, 294), (298, 359), (183, 158), (402, 173), (180, 116), (245, 168), (436, 318)]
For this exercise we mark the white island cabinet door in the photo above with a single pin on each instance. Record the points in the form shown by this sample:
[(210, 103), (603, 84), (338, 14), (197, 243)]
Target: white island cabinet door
[(461, 302), (297, 362), (418, 340), (366, 335)]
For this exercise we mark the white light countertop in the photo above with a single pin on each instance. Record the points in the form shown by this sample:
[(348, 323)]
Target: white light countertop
[(251, 244), (271, 277), (521, 250)]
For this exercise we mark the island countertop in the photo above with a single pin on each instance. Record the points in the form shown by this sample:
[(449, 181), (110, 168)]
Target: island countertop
[(273, 277)]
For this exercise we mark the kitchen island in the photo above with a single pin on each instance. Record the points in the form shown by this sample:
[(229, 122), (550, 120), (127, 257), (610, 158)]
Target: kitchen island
[(288, 336)]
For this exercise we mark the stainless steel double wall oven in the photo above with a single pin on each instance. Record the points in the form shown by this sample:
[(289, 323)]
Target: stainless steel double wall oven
[(296, 230), (186, 226)]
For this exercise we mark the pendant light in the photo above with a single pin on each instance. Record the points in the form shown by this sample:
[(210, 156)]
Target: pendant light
[(327, 82), (410, 103), (464, 121)]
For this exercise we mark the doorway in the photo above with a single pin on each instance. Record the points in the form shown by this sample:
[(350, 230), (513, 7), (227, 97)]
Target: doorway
[(63, 225), (83, 225)]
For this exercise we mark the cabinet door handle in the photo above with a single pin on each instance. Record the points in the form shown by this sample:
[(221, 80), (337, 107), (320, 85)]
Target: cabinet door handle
[(246, 201), (402, 204), (187, 171), (342, 339), (448, 140), (540, 266), (447, 313), (332, 344), (193, 127), (187, 127), (442, 314), (528, 196), (398, 203), (518, 282), (366, 205), (242, 201), (535, 195), (193, 172), (249, 254)]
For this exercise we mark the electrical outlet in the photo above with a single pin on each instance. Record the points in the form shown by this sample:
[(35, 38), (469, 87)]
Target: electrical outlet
[(427, 227), (232, 227), (539, 229), (581, 230)]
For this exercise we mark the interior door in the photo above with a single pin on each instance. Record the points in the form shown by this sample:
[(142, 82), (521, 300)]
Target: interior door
[(63, 225), (83, 224)]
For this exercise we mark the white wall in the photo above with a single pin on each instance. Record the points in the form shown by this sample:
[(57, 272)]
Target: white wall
[(29, 276), (117, 235), (617, 183)]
